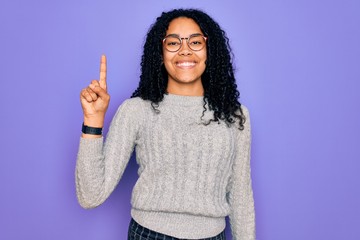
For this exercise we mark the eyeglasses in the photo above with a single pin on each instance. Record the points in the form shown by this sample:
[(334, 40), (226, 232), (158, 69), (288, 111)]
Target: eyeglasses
[(195, 42)]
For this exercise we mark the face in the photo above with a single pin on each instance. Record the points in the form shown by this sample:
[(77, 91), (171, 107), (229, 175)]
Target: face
[(184, 66)]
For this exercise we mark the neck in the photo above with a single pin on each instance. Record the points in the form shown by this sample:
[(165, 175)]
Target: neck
[(185, 89)]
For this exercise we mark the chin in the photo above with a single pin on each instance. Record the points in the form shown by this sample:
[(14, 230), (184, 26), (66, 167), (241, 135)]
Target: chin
[(188, 80)]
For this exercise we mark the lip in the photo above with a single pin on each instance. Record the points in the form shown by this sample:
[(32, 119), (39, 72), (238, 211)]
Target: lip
[(185, 64)]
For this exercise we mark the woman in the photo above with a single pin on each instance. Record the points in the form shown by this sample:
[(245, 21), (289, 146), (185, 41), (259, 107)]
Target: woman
[(191, 136)]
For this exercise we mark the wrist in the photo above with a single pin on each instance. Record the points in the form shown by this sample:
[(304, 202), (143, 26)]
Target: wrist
[(94, 122), (91, 130)]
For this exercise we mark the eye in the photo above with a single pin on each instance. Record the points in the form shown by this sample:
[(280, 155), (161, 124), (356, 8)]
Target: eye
[(173, 43), (196, 43)]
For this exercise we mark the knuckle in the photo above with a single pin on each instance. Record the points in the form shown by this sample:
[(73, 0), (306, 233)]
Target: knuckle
[(95, 83), (83, 92)]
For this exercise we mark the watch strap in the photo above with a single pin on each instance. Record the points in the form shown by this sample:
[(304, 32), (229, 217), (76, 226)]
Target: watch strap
[(91, 130)]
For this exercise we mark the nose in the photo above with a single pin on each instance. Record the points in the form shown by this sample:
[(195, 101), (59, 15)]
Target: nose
[(184, 49)]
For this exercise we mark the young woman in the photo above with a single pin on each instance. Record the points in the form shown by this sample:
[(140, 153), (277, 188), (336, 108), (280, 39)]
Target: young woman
[(191, 136)]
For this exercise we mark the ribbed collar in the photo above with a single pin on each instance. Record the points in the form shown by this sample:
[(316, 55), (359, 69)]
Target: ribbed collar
[(181, 100)]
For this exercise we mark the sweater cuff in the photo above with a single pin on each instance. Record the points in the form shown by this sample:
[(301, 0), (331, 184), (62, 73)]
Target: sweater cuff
[(90, 147)]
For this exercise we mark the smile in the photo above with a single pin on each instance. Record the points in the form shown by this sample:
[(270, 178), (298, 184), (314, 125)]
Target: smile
[(185, 64)]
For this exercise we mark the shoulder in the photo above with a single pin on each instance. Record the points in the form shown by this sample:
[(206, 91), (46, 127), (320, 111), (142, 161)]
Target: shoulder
[(133, 104), (131, 108), (247, 125), (131, 112), (246, 120), (245, 110), (246, 114)]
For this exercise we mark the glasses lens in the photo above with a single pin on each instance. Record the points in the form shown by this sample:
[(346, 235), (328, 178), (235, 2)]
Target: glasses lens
[(197, 43), (172, 44)]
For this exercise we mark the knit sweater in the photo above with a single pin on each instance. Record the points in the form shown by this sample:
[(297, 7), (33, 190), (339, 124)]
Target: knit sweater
[(191, 175)]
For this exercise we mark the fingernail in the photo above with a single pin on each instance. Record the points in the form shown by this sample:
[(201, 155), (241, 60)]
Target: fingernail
[(91, 86)]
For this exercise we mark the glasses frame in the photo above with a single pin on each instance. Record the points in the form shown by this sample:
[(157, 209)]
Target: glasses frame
[(187, 41)]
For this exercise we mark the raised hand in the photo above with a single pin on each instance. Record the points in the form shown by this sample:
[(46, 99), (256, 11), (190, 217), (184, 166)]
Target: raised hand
[(95, 99)]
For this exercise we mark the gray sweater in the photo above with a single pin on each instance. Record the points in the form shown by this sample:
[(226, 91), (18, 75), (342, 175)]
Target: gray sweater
[(191, 176)]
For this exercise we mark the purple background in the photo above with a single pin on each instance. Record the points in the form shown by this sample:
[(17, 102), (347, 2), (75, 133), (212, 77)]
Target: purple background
[(297, 69)]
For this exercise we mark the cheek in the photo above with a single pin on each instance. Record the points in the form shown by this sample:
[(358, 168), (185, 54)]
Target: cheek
[(167, 60), (167, 65), (203, 57)]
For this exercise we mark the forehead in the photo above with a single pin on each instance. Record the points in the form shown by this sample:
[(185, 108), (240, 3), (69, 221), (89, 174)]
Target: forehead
[(183, 26)]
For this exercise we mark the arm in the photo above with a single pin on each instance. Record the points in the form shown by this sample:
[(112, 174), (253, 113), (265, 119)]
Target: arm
[(242, 216), (99, 166)]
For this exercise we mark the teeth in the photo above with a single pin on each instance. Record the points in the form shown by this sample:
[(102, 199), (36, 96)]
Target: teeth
[(185, 64)]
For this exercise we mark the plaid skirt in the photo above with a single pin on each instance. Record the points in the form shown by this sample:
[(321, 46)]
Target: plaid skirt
[(138, 232)]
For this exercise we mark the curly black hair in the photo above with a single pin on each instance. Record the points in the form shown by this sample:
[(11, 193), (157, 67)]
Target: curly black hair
[(220, 89)]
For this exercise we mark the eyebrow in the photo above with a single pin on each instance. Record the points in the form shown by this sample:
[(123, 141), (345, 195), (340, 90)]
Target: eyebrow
[(177, 35)]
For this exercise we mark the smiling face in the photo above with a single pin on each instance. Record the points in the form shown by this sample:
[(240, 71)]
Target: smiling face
[(185, 66)]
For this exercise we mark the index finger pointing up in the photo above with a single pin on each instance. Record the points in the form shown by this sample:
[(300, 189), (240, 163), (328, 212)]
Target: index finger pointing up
[(103, 72)]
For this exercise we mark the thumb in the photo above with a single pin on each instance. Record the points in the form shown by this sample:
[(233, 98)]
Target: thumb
[(99, 91)]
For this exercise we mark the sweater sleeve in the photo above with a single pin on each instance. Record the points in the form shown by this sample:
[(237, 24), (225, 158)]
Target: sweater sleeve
[(242, 215), (100, 164)]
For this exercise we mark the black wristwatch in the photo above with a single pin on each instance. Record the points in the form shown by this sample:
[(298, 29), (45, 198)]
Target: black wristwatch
[(91, 130)]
